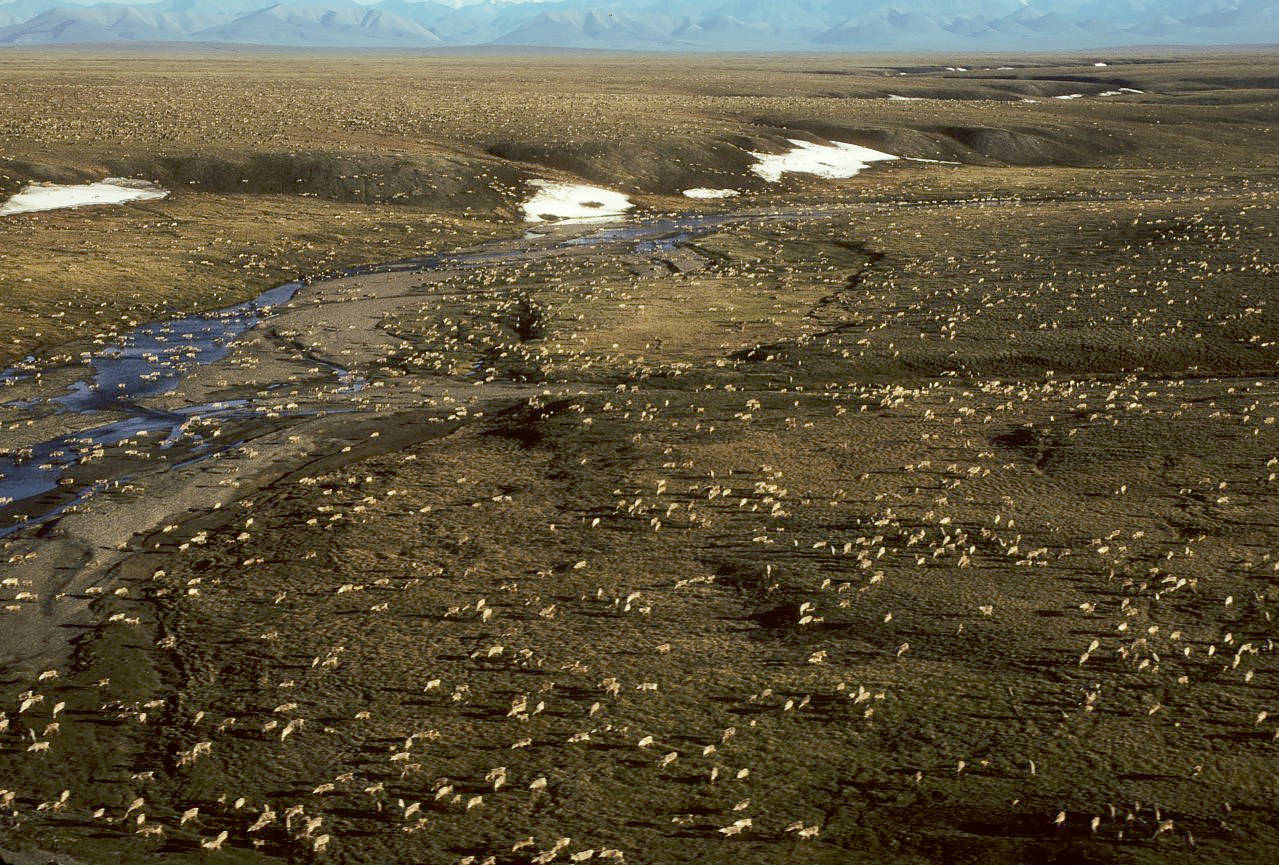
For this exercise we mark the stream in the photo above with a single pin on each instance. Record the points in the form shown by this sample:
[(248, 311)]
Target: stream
[(154, 359)]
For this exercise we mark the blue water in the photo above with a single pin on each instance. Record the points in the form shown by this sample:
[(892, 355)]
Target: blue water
[(145, 362), (151, 360)]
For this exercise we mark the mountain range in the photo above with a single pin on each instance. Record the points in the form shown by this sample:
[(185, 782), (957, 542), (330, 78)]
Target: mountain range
[(653, 25)]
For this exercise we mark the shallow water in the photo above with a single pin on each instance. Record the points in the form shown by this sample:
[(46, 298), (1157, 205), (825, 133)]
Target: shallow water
[(145, 362), (40, 467), (149, 360), (152, 360)]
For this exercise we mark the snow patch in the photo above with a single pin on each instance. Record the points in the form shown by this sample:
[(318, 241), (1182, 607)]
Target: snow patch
[(711, 193), (556, 200), (835, 161), (1070, 96), (893, 97), (49, 196)]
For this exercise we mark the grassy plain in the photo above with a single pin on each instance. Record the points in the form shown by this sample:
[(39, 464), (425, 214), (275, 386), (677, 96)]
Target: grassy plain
[(285, 165), (937, 521)]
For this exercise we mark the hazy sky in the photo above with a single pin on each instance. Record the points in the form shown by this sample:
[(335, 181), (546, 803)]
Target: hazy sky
[(269, 2)]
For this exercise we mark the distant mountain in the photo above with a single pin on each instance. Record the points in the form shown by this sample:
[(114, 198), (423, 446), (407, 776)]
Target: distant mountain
[(353, 26), (18, 11), (100, 23), (593, 28), (892, 29), (664, 25)]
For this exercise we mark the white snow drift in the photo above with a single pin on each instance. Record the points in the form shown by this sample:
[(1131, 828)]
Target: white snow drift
[(556, 200), (49, 196), (837, 160), (702, 192)]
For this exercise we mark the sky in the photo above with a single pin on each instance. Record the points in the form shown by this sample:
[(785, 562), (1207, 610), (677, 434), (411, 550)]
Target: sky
[(269, 2)]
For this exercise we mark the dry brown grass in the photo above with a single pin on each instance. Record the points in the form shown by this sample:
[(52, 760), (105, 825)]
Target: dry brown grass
[(77, 273), (954, 524), (877, 561), (302, 164)]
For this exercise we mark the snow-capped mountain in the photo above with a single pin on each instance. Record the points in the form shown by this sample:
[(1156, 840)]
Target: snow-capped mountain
[(681, 25)]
